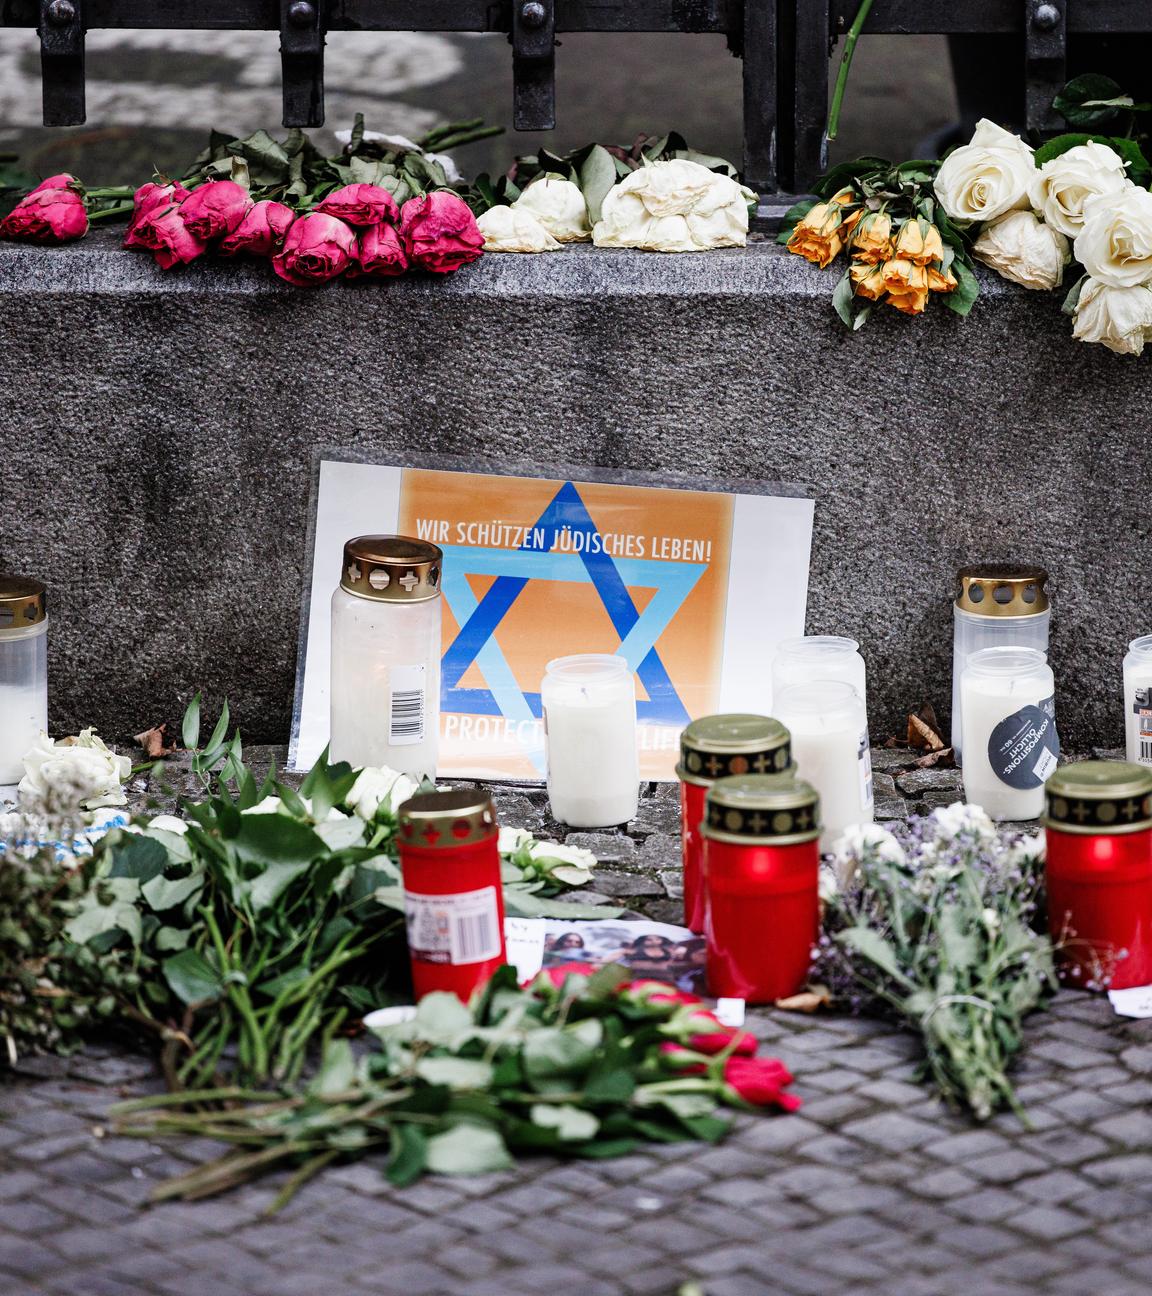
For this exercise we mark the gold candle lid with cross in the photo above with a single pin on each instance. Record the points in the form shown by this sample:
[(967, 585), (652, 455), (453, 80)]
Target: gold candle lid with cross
[(721, 746), (761, 809), (445, 818), (1093, 797)]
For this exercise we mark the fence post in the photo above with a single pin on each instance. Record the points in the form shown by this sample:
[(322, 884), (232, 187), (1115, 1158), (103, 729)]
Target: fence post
[(1045, 27), (61, 31), (302, 63)]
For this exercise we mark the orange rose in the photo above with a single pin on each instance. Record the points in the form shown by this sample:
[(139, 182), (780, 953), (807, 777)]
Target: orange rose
[(872, 238), (819, 235), (940, 280), (919, 242), (868, 280), (907, 285)]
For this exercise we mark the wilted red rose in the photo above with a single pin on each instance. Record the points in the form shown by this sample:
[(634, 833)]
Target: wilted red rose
[(62, 181), (380, 252), (170, 241), (317, 248), (47, 216), (361, 205), (439, 232), (145, 200), (216, 208), (262, 230), (760, 1081)]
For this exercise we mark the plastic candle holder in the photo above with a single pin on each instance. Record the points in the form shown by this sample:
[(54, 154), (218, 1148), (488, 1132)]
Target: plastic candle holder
[(711, 748), (819, 657), (453, 899), (1138, 700), (1098, 830), (761, 876), (23, 672)]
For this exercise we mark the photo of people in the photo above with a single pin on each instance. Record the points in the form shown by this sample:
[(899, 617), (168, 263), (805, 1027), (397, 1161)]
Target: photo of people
[(647, 949)]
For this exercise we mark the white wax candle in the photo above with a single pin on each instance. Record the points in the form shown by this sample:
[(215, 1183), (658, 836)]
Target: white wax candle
[(1138, 700), (819, 657), (1011, 747), (829, 727), (589, 705), (23, 715)]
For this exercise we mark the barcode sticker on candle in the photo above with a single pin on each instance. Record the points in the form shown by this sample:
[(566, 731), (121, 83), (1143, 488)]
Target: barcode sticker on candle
[(1142, 708), (460, 928), (406, 705), (1024, 748)]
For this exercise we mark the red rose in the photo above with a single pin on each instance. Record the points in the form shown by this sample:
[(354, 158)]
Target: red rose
[(165, 235), (215, 208), (145, 200), (262, 230), (361, 205), (61, 181), (317, 248), (683, 1060), (760, 1081), (560, 973), (716, 1037), (47, 216), (439, 232), (380, 253), (658, 992)]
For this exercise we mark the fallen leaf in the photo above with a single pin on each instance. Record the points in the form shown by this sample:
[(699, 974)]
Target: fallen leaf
[(943, 759), (152, 740), (807, 1001), (924, 729)]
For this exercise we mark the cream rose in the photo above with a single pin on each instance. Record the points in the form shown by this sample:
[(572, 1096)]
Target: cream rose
[(507, 229), (675, 206), (1115, 243), (1063, 185), (1022, 248), (78, 773), (987, 177), (1118, 318), (559, 206), (377, 786)]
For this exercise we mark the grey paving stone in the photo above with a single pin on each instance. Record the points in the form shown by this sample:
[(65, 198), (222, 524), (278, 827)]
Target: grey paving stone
[(609, 848), (1050, 1222), (1004, 1167), (890, 1130)]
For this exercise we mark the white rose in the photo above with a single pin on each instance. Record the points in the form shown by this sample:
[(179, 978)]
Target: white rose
[(274, 805), (1022, 248), (1115, 243), (675, 206), (959, 819), (987, 177), (565, 854), (76, 773), (376, 786), (169, 823), (508, 229), (559, 206), (511, 839), (1119, 318), (858, 840), (1063, 185)]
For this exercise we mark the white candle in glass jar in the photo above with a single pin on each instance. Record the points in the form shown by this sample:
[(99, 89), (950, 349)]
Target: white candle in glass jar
[(829, 726), (23, 673), (1138, 700), (589, 706), (1011, 747), (819, 657)]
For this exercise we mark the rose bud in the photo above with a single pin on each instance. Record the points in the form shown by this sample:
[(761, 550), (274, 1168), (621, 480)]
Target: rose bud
[(380, 253), (317, 248), (145, 200), (760, 1081), (262, 230), (361, 205), (170, 241), (215, 208), (47, 216), (439, 232), (560, 973), (716, 1037)]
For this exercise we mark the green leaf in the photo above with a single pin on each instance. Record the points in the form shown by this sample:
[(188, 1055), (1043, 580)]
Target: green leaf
[(441, 1018), (597, 178), (1090, 100), (455, 1072), (556, 1059), (872, 946), (164, 893), (1073, 298), (266, 839), (467, 1149), (266, 159), (190, 727), (172, 938), (139, 857), (521, 904), (962, 298), (409, 1154), (337, 1072), (192, 979), (842, 299), (572, 1124), (707, 160)]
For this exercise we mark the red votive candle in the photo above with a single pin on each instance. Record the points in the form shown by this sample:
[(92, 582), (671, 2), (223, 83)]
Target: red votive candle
[(453, 899), (761, 878), (711, 748), (1098, 830)]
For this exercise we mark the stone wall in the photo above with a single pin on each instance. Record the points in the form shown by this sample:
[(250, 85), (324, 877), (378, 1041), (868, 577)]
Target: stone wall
[(157, 434)]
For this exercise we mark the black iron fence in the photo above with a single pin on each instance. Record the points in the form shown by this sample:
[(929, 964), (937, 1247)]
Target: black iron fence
[(784, 44)]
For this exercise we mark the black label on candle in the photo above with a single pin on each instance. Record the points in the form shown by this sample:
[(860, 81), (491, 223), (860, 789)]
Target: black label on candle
[(1024, 747)]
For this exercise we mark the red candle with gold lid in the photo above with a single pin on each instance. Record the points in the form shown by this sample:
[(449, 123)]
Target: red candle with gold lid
[(453, 900), (711, 748), (1098, 831), (761, 879)]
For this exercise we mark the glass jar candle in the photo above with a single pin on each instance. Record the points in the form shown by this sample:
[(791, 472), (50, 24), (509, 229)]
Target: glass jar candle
[(589, 707), (1138, 700), (1098, 831), (761, 869), (999, 606), (453, 899), (23, 672), (711, 748), (819, 657), (829, 728), (1007, 699), (386, 655)]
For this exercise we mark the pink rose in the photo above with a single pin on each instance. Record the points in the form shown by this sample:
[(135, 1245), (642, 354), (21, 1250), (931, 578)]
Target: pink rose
[(439, 232), (317, 248), (170, 241), (145, 200), (47, 216), (61, 181), (760, 1081), (262, 230), (215, 208), (380, 253), (361, 205)]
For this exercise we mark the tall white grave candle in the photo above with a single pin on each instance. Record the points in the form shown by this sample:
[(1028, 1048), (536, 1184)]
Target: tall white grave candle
[(23, 672), (819, 657), (1138, 700), (829, 726), (1011, 747), (589, 704)]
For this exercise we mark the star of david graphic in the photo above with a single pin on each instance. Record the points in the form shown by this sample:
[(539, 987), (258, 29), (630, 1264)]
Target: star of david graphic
[(479, 619)]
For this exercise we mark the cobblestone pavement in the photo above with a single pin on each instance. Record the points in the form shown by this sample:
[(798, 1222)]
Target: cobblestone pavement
[(873, 1187)]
